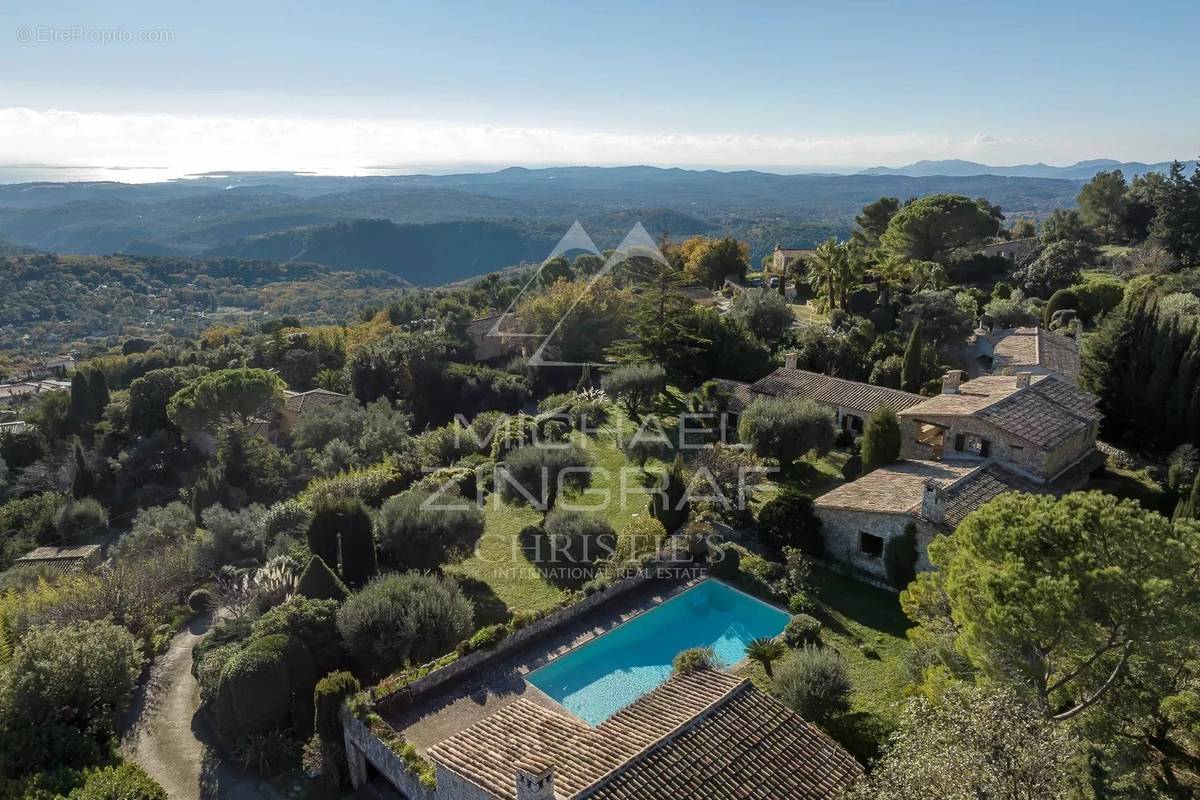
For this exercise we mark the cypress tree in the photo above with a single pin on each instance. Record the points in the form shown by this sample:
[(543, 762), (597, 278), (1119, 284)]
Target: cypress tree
[(80, 409), (323, 531), (358, 545), (881, 440), (669, 513), (83, 482), (319, 582), (910, 371), (98, 392)]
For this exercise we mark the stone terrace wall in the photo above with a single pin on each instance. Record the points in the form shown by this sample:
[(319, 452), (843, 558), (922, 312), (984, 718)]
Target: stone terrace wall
[(362, 747)]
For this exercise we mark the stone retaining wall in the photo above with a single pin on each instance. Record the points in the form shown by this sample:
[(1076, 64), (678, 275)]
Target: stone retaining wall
[(363, 747)]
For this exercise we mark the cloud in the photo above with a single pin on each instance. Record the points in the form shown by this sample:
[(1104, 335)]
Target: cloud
[(199, 143)]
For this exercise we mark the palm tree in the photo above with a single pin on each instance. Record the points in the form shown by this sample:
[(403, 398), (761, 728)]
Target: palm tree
[(826, 266), (765, 651)]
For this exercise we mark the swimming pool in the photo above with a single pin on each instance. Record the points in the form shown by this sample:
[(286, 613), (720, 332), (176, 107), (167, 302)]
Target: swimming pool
[(600, 678)]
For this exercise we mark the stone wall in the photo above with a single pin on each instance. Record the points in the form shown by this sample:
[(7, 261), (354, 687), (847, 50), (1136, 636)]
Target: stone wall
[(363, 747), (840, 528)]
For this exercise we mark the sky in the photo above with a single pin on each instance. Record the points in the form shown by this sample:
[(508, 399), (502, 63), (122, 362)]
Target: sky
[(361, 86)]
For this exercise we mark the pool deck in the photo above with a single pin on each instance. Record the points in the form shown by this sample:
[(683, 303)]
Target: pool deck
[(447, 710)]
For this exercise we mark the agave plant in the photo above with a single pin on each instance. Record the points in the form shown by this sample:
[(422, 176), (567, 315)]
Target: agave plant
[(765, 651)]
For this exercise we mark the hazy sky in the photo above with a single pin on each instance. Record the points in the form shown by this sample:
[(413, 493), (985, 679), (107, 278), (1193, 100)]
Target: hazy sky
[(353, 84)]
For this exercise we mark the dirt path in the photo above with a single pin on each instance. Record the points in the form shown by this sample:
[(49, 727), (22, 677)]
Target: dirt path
[(164, 736)]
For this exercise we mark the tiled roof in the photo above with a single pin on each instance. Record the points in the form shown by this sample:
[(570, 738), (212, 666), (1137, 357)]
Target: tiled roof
[(1045, 413), (751, 748), (299, 402), (62, 560), (690, 710), (864, 397), (894, 489), (1015, 349), (899, 489), (978, 487)]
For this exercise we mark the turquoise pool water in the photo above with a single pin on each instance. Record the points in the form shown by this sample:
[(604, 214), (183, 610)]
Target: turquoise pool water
[(603, 676)]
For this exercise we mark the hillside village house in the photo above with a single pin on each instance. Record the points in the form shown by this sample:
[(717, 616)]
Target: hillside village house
[(976, 440), (1010, 249), (782, 257)]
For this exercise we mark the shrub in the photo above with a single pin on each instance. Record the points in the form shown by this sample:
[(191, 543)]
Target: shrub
[(694, 660), (313, 622), (485, 638), (420, 531), (331, 691), (1059, 301), (404, 617), (1098, 296), (288, 518), (799, 602), (670, 506), (814, 683), (641, 537), (253, 695), (802, 630), (724, 561), (372, 484), (79, 520), (265, 753), (200, 601), (582, 538), (319, 582), (900, 557), (122, 782), (787, 520), (80, 675)]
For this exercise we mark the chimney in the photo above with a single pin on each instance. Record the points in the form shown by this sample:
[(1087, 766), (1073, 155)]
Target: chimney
[(535, 779), (1022, 380), (932, 505), (951, 381), (790, 359)]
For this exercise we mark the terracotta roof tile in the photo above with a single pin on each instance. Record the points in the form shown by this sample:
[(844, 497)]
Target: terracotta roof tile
[(863, 397), (714, 717), (894, 489)]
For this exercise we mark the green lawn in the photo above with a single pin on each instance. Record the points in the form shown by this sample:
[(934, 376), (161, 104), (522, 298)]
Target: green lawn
[(807, 314), (500, 577), (866, 626)]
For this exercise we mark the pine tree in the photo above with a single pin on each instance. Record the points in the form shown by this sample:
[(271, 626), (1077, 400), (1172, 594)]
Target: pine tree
[(208, 490), (83, 482), (323, 531), (910, 372), (358, 545), (668, 510), (661, 331), (881, 440), (319, 582)]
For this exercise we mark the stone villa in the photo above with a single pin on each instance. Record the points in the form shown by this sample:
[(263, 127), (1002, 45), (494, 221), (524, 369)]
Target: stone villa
[(976, 440), (1033, 350)]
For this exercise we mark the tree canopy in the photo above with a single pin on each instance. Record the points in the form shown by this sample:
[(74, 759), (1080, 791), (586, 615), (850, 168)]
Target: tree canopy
[(226, 397)]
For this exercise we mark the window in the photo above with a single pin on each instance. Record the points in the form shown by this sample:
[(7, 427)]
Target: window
[(985, 448), (870, 544), (856, 424)]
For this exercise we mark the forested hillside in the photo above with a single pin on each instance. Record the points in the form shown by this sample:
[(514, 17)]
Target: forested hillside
[(434, 229)]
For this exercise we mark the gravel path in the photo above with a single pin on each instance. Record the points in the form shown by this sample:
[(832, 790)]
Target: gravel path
[(164, 736)]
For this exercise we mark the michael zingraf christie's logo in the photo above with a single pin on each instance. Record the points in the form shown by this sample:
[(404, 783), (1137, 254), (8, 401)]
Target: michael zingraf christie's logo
[(637, 244)]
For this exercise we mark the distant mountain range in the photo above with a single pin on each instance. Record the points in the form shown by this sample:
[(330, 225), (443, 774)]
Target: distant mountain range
[(1081, 171), (433, 229)]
